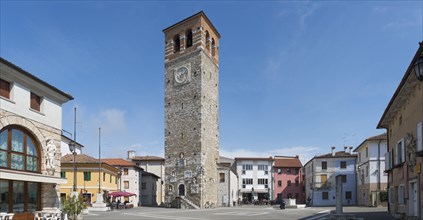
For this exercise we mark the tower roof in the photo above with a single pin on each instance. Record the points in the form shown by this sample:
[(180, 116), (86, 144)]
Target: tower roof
[(199, 14)]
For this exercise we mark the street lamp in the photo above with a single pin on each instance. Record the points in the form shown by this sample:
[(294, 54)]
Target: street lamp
[(418, 68)]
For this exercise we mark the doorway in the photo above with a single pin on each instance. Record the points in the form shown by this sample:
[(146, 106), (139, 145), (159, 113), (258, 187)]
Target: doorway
[(182, 190), (413, 199)]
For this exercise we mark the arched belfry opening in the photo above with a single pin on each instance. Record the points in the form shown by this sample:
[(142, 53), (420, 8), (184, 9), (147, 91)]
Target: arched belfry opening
[(188, 38), (213, 45), (176, 44), (207, 40)]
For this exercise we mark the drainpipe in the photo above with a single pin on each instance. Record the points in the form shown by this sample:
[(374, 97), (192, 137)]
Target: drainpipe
[(378, 167)]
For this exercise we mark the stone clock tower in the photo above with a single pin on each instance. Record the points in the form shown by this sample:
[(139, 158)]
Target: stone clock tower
[(191, 112)]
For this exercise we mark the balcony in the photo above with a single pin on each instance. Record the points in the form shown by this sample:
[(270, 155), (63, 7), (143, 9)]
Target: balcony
[(321, 185)]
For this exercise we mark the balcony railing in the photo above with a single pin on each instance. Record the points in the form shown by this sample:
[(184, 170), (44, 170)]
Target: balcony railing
[(321, 185)]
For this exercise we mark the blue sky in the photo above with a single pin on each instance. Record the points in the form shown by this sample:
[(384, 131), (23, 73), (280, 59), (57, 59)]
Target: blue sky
[(296, 77)]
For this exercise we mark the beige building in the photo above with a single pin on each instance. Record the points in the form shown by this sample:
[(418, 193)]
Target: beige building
[(370, 166), (191, 112), (402, 119), (30, 138)]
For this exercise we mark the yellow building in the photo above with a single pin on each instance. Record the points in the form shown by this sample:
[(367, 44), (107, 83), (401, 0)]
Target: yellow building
[(87, 176)]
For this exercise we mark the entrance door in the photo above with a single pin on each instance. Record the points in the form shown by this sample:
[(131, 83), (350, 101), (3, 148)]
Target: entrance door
[(413, 199), (182, 190)]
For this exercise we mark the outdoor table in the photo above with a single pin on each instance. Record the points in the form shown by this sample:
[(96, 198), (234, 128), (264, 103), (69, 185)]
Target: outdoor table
[(6, 216), (47, 215)]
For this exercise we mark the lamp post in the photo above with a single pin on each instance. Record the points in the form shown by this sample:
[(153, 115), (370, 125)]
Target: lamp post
[(73, 150), (418, 68)]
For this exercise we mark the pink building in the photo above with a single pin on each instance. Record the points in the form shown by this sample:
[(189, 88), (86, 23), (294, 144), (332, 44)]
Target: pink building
[(288, 178)]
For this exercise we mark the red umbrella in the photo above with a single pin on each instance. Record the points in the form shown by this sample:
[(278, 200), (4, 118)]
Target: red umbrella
[(121, 193)]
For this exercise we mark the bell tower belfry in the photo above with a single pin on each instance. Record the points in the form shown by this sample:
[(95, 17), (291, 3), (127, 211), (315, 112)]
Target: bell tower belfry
[(191, 112)]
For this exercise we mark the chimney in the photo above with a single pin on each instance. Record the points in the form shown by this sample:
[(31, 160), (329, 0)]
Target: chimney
[(296, 156), (131, 154), (351, 149), (333, 151), (345, 149)]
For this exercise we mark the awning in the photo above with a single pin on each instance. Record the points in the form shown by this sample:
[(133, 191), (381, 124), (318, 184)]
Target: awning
[(32, 177), (121, 193)]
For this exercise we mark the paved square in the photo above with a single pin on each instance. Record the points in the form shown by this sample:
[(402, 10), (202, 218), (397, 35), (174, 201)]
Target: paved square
[(243, 212)]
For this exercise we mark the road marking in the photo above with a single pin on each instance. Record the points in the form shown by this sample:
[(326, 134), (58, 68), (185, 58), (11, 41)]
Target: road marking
[(242, 213), (143, 214), (324, 211)]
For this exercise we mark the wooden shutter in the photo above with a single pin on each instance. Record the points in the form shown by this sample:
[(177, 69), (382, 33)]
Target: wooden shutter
[(35, 102), (4, 89)]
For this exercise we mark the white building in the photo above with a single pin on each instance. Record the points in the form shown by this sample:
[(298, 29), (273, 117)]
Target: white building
[(254, 179), (130, 179), (370, 166), (30, 137), (320, 178), (64, 146), (155, 165)]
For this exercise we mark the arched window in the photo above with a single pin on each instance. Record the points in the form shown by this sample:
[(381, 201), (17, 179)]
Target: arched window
[(176, 44), (189, 38), (207, 40), (213, 47), (19, 150)]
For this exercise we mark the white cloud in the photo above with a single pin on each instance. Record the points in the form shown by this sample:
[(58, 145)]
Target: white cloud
[(304, 153)]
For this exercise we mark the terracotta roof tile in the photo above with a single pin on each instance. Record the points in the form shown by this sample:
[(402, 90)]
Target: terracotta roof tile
[(79, 158), (149, 158), (118, 162), (287, 162)]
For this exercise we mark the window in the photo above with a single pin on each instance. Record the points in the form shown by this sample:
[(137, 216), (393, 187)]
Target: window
[(367, 170), (279, 183), (213, 47), (62, 174), (400, 152), (262, 167), (419, 137), (87, 176), (348, 195), (125, 171), (35, 102), (297, 196), (18, 150), (289, 183), (343, 164), (4, 89), (208, 40), (296, 171), (176, 44), (104, 177), (324, 165), (401, 194), (297, 183), (279, 171), (189, 38), (221, 177), (144, 186), (344, 178), (126, 184), (247, 167), (359, 157), (19, 196), (325, 195), (246, 181), (263, 182), (288, 171)]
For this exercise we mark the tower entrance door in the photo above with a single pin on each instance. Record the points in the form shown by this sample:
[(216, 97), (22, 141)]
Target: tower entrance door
[(182, 190)]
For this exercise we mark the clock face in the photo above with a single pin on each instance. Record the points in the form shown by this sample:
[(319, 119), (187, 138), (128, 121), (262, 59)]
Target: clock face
[(181, 75)]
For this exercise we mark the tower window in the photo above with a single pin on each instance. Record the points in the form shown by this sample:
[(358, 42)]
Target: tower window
[(177, 44), (207, 40), (213, 47), (189, 38)]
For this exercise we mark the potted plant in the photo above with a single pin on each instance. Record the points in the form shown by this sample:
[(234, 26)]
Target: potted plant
[(72, 205)]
